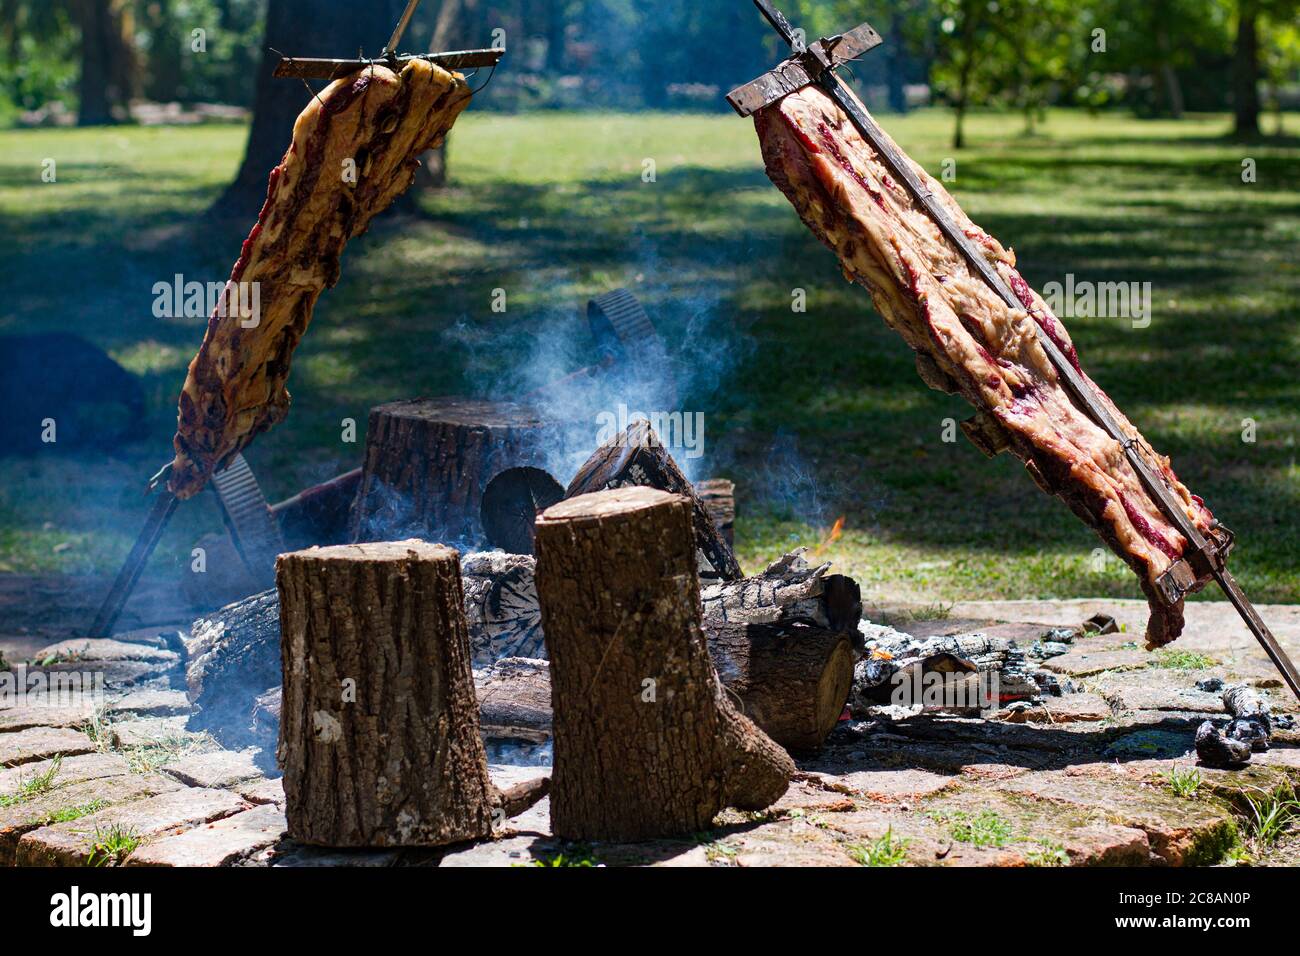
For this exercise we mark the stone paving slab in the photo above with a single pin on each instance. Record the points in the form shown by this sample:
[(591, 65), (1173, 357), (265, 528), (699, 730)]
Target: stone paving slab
[(1158, 689), (91, 766), (70, 711), (262, 791), (72, 843), (83, 798), (220, 843), (1181, 831), (1068, 709), (218, 769), (149, 731), (1022, 831), (1092, 656), (38, 743), (895, 785), (153, 703), (105, 649)]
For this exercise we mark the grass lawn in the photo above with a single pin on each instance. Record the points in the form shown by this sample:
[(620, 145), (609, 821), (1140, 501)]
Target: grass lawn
[(815, 415)]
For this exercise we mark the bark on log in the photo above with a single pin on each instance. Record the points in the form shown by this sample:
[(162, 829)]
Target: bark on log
[(428, 462), (379, 733), (636, 457), (718, 496), (792, 679), (788, 589), (233, 654), (647, 742), (514, 699)]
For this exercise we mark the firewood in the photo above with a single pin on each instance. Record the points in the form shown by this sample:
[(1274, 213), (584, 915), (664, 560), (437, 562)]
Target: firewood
[(718, 496), (501, 605), (429, 461), (379, 734), (234, 653), (788, 589), (792, 679), (637, 457), (647, 742), (514, 699)]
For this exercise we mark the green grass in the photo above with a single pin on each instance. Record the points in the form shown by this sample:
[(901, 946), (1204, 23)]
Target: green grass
[(1270, 814), (1185, 781), (113, 844), (1182, 660), (815, 415), (986, 828), (34, 786), (67, 814), (884, 851)]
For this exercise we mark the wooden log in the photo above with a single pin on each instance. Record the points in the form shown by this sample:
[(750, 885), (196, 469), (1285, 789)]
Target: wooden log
[(636, 457), (379, 734), (718, 496), (501, 606), (429, 461), (232, 655), (647, 743), (514, 699), (792, 679), (788, 589)]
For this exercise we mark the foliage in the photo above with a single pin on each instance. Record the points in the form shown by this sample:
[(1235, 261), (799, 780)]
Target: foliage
[(1185, 781), (883, 851), (112, 844)]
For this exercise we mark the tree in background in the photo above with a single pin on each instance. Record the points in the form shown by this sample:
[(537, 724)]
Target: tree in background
[(301, 28)]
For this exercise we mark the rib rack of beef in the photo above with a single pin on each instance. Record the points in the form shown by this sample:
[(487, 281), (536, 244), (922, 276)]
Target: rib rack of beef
[(354, 151), (968, 341)]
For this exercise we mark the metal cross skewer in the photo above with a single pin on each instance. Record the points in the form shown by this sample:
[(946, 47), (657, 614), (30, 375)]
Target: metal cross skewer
[(814, 64), (328, 68)]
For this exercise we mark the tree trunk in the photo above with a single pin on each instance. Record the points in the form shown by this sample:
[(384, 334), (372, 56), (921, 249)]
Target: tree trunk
[(379, 732), (647, 743), (1245, 95), (636, 457), (429, 463), (105, 63), (792, 679), (298, 28)]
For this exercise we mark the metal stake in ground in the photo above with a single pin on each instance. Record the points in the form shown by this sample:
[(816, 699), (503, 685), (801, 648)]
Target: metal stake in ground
[(814, 65)]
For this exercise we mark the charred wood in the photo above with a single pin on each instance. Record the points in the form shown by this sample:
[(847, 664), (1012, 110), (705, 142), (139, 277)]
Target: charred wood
[(636, 457)]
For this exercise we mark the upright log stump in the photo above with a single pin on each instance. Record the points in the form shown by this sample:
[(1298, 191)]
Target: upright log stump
[(379, 731), (429, 461), (647, 742)]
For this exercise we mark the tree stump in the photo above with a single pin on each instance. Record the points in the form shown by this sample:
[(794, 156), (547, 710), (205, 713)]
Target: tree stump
[(379, 733), (428, 463), (792, 679), (647, 743)]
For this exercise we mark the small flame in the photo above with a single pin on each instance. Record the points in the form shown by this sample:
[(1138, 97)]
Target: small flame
[(837, 530)]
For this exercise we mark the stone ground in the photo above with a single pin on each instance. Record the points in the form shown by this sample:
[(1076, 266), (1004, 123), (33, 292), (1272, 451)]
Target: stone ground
[(1103, 776)]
